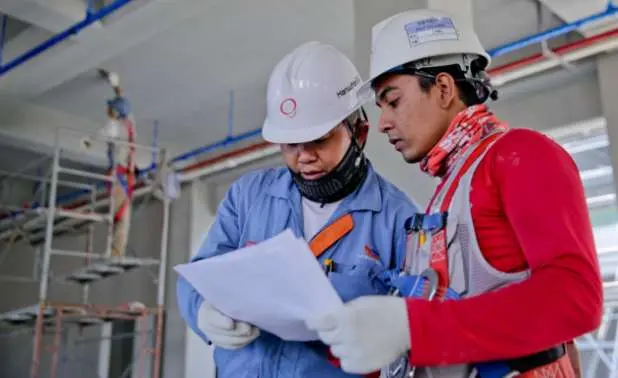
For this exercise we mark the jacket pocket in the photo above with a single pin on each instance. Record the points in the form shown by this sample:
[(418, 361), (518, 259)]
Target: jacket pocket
[(356, 280), (241, 363)]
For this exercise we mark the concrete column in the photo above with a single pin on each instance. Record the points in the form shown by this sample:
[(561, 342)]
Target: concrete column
[(199, 356), (174, 349), (385, 159), (608, 86)]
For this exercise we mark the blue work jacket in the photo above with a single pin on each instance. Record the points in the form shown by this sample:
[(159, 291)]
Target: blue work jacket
[(261, 205)]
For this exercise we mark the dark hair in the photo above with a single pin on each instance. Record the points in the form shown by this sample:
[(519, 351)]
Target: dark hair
[(467, 92)]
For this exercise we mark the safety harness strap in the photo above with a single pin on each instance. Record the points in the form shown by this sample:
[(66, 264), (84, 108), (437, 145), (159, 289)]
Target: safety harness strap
[(331, 234), (550, 363), (129, 170), (439, 248), (125, 174), (561, 368)]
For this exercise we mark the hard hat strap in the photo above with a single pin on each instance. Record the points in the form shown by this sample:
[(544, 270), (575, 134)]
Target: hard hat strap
[(352, 124), (479, 80), (470, 68)]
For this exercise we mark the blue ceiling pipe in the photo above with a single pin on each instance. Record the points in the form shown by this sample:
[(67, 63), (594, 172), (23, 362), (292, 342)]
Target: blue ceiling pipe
[(91, 17), (228, 141), (611, 10)]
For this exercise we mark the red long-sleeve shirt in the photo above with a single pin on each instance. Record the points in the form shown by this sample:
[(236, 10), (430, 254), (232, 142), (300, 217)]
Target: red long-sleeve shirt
[(529, 210)]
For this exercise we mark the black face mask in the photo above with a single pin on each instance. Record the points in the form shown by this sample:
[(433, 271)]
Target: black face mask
[(347, 176)]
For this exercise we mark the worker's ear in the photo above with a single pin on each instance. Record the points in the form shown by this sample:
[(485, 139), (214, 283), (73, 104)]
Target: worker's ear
[(362, 131), (445, 83)]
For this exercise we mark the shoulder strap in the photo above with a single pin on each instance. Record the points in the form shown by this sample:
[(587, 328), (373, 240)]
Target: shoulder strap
[(479, 149), (331, 234), (439, 248)]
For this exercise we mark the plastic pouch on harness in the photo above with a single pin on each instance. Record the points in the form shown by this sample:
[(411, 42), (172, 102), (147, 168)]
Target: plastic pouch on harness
[(404, 285)]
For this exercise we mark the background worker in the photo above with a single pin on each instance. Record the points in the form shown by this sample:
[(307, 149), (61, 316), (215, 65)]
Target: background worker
[(119, 127), (328, 193), (509, 232)]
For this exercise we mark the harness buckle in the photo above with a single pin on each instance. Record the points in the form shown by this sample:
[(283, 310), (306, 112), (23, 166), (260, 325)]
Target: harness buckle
[(415, 223)]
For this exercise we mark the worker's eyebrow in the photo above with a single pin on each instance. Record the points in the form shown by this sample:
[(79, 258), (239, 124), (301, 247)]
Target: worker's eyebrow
[(383, 93)]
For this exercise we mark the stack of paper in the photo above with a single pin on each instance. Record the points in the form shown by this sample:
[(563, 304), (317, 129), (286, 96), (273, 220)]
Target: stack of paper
[(275, 285)]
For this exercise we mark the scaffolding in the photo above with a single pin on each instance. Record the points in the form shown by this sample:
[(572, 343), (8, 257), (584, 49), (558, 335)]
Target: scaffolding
[(55, 215)]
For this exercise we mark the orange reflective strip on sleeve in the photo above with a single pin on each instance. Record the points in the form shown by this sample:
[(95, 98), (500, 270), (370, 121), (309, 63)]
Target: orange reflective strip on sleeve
[(331, 234)]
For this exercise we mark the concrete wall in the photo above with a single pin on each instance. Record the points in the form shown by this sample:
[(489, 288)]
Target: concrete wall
[(174, 352), (198, 357), (608, 66)]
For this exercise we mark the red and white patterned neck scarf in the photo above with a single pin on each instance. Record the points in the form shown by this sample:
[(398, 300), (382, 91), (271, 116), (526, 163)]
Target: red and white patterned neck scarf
[(468, 127)]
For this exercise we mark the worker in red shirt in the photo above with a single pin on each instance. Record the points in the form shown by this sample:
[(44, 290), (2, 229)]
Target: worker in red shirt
[(504, 258)]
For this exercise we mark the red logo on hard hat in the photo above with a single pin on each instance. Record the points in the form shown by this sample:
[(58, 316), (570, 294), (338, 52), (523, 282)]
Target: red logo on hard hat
[(288, 107)]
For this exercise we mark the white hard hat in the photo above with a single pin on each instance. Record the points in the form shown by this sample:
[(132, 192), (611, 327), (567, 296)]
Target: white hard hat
[(310, 91), (429, 37)]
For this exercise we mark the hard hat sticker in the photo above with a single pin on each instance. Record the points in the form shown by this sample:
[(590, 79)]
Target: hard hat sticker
[(431, 30), (288, 107), (343, 91)]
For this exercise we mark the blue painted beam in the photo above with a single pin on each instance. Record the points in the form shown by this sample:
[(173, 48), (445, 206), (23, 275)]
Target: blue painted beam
[(519, 44)]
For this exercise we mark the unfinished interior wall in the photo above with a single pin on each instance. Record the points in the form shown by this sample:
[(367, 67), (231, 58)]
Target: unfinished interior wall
[(198, 357), (608, 66), (175, 332), (79, 356)]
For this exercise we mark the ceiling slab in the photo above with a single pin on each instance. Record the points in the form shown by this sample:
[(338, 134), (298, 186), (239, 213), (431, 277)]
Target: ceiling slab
[(51, 15), (58, 65), (571, 10), (182, 76)]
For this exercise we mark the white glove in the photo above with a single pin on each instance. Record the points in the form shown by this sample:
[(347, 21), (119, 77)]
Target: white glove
[(367, 334), (222, 330)]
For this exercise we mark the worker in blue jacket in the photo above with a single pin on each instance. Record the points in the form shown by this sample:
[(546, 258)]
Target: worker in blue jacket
[(352, 218)]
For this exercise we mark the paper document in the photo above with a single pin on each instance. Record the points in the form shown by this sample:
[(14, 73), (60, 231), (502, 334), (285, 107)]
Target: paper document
[(275, 285)]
